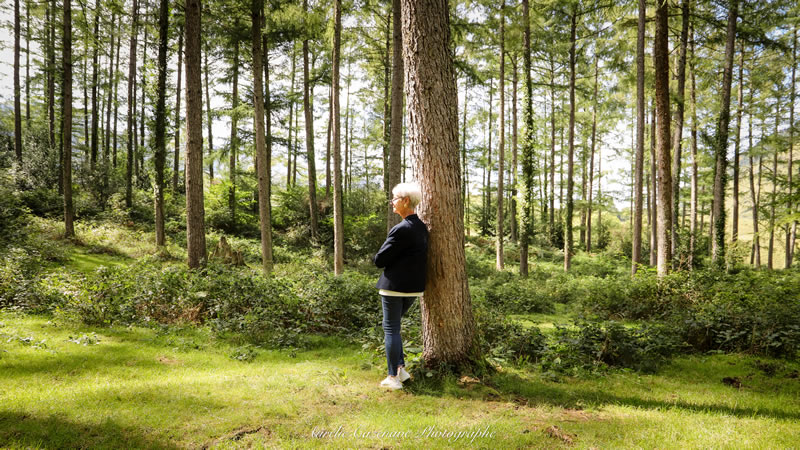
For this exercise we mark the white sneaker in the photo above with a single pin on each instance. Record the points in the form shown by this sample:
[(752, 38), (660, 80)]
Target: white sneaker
[(392, 383), (402, 375)]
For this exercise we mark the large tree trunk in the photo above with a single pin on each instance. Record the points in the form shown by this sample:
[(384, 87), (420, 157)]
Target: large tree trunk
[(448, 327), (95, 111), (739, 107), (262, 161), (309, 116), (338, 218), (721, 141), (678, 131), (161, 119), (66, 117), (234, 143), (131, 106), (195, 211), (527, 149), (17, 107), (176, 160), (501, 146), (661, 62), (396, 132), (571, 143)]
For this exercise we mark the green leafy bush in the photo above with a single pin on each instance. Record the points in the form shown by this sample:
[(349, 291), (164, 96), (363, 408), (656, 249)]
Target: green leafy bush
[(504, 340), (512, 294)]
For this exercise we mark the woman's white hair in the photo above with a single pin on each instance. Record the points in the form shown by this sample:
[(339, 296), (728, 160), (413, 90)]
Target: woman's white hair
[(410, 190)]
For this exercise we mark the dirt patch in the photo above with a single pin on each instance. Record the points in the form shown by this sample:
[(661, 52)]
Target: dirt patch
[(733, 382), (238, 434), (557, 433), (168, 361)]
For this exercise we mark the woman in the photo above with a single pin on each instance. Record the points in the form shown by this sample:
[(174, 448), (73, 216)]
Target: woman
[(403, 257)]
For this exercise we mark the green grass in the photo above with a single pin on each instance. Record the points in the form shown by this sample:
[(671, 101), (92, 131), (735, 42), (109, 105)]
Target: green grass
[(180, 387)]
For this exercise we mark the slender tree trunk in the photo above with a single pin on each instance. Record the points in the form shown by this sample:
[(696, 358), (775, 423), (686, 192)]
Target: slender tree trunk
[(209, 118), (693, 214), (289, 147), (591, 159), (140, 175), (448, 327), (17, 107), (116, 97), (552, 147), (338, 218), (739, 106), (514, 136), (499, 259), (262, 160), (653, 220), (584, 168), (27, 64), (51, 83), (176, 156), (109, 101), (791, 237), (328, 147), (234, 143), (527, 149), (347, 158), (665, 214), (721, 144), (774, 197), (387, 111), (396, 132), (571, 143), (309, 116), (464, 163), (161, 120), (131, 105), (66, 117), (488, 186), (677, 132), (195, 212), (756, 251), (95, 111)]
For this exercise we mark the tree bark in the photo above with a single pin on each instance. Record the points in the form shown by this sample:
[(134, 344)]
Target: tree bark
[(161, 120), (109, 101), (17, 93), (195, 211), (176, 160), (754, 196), (735, 212), (653, 194), (95, 111), (791, 237), (677, 133), (721, 144), (309, 119), (591, 159), (499, 263), (396, 132), (289, 147), (338, 218), (552, 148), (209, 118), (66, 117), (234, 143), (51, 81), (661, 62), (262, 161), (571, 143), (116, 97), (774, 197), (448, 327), (514, 136), (527, 148), (131, 106), (693, 214)]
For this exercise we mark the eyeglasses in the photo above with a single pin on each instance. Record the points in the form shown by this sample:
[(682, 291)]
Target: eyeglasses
[(396, 198)]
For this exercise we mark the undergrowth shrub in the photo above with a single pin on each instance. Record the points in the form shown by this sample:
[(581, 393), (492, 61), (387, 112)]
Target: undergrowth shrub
[(503, 340), (511, 294)]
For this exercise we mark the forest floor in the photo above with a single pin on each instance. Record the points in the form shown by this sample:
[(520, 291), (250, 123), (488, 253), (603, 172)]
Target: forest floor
[(65, 386)]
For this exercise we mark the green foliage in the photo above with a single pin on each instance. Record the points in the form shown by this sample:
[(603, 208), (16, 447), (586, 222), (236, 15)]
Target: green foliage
[(504, 341), (14, 216), (345, 304), (509, 293), (595, 346)]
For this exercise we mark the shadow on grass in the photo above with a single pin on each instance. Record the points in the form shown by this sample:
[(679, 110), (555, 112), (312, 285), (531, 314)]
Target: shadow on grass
[(28, 431), (513, 388)]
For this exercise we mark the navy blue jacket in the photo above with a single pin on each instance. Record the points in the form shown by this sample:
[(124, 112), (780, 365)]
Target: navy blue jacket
[(404, 257)]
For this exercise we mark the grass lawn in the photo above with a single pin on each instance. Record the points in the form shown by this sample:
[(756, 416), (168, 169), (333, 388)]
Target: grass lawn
[(64, 385)]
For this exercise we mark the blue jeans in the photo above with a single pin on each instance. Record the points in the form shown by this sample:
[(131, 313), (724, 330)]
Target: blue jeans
[(393, 310)]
